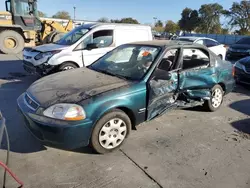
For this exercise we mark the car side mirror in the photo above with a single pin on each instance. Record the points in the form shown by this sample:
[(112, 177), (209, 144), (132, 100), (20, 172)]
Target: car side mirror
[(91, 46), (162, 75)]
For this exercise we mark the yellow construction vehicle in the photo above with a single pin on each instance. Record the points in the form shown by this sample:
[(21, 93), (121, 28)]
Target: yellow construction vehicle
[(20, 26)]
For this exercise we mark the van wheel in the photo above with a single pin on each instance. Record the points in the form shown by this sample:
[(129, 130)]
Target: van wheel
[(11, 42), (110, 131), (216, 100), (67, 66), (220, 56)]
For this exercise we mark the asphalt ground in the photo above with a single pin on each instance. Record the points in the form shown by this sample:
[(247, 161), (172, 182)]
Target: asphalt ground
[(182, 149)]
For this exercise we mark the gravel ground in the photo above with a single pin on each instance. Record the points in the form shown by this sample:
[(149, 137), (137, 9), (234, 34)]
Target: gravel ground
[(182, 149)]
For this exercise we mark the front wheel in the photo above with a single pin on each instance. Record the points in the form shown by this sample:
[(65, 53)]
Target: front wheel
[(67, 66), (216, 100), (110, 131)]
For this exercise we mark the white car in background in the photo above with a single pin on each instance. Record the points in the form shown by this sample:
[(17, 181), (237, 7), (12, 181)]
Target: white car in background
[(219, 49)]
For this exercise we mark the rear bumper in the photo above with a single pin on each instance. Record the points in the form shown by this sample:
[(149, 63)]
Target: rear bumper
[(55, 133)]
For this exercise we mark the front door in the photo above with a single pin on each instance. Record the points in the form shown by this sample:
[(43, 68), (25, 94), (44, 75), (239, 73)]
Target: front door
[(104, 40), (163, 85)]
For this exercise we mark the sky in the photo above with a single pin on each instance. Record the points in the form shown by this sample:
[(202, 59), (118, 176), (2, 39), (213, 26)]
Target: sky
[(142, 10)]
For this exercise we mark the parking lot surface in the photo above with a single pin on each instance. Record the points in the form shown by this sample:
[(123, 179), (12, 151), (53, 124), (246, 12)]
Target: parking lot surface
[(182, 149)]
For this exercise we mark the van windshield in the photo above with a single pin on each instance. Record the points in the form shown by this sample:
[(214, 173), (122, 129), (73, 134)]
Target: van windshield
[(72, 36)]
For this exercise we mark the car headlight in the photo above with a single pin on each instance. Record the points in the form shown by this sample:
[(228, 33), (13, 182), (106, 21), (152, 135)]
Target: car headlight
[(63, 111), (238, 65), (46, 54), (230, 49)]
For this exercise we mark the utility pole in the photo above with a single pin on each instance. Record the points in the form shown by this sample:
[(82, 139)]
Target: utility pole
[(74, 13), (155, 19)]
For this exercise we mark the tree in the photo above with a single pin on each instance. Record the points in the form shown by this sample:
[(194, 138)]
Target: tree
[(171, 27), (189, 20), (159, 23), (224, 31), (104, 20), (210, 17), (62, 15), (125, 20), (239, 15), (41, 14)]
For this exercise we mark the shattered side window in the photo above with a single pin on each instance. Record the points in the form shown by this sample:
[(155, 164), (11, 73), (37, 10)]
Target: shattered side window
[(194, 58)]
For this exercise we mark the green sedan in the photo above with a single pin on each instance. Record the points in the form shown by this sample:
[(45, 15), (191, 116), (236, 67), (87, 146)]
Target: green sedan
[(99, 105)]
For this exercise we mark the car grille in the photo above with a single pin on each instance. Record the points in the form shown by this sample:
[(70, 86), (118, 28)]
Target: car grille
[(31, 103)]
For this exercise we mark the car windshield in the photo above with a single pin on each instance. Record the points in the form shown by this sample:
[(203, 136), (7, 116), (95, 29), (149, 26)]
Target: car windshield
[(127, 61), (244, 41), (73, 36)]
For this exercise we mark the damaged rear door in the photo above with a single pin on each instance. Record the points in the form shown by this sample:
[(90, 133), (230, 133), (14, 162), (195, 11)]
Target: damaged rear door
[(197, 75), (163, 84)]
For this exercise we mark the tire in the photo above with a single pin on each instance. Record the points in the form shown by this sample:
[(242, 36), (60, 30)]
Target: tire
[(220, 56), (67, 66), (104, 138), (11, 42), (215, 102)]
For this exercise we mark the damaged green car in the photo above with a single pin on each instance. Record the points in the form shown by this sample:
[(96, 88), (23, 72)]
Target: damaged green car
[(136, 82)]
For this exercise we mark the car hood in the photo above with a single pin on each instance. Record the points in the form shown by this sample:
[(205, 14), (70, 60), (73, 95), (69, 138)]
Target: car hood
[(72, 86), (240, 46), (245, 61), (49, 47)]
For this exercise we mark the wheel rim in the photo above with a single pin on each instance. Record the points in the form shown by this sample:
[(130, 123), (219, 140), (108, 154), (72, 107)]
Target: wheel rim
[(10, 43), (112, 133), (68, 68), (217, 98)]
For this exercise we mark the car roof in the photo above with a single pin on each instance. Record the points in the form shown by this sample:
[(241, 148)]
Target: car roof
[(166, 43), (195, 38)]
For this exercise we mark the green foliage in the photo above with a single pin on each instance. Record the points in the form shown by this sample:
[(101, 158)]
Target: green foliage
[(103, 20), (189, 19), (159, 23), (62, 15), (171, 27), (41, 14), (210, 17), (125, 20), (239, 15)]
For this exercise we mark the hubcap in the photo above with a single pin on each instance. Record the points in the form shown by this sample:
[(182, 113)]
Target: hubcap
[(217, 98), (112, 133), (10, 43), (68, 68)]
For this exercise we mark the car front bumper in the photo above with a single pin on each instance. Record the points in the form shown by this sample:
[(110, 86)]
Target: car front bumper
[(55, 133), (242, 76), (37, 70)]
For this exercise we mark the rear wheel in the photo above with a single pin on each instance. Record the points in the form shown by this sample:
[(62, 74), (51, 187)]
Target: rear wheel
[(216, 100), (11, 42), (110, 131), (67, 66)]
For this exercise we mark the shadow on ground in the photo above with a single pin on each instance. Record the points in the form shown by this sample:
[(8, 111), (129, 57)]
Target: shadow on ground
[(242, 125), (13, 82)]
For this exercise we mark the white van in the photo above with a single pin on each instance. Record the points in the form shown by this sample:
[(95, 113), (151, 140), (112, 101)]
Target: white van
[(82, 46)]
